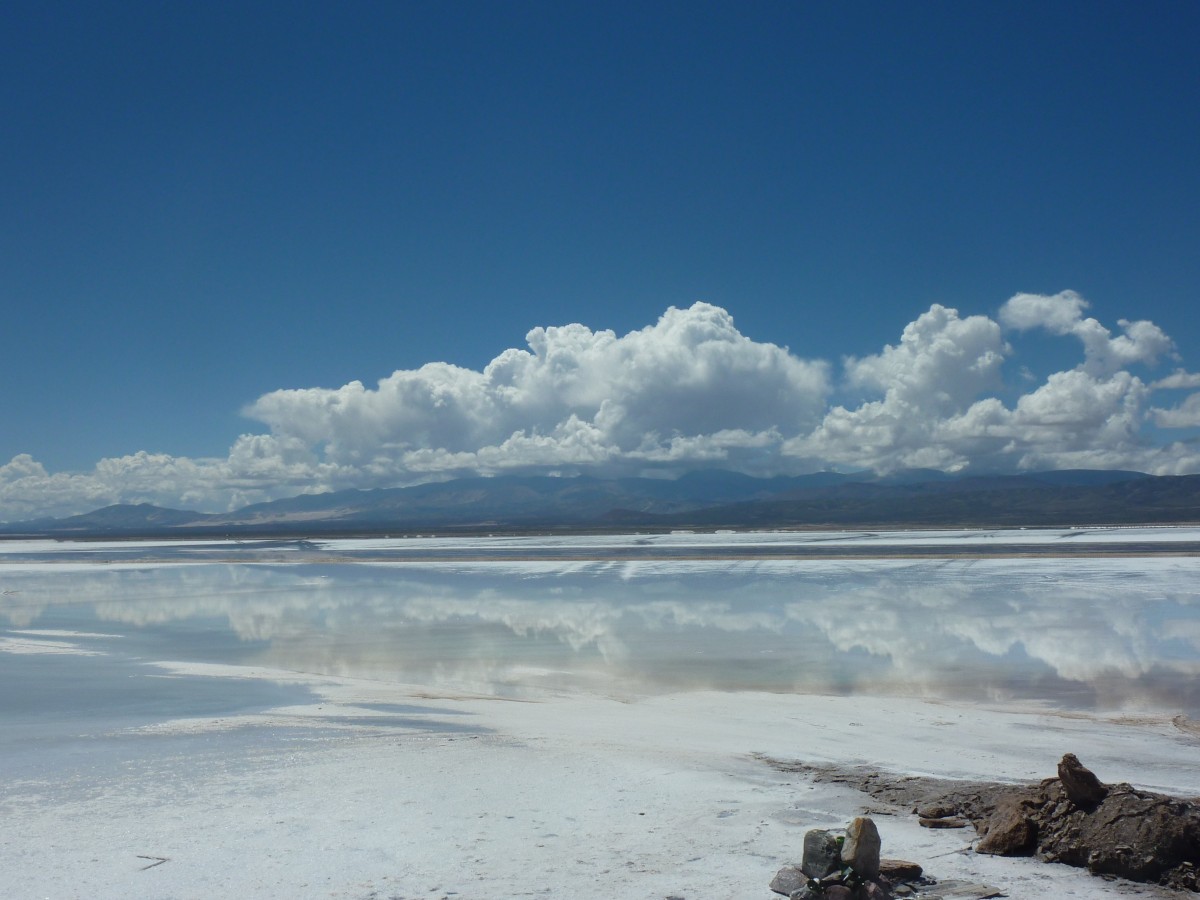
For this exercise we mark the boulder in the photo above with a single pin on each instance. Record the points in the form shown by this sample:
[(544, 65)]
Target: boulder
[(1082, 787), (1131, 833), (861, 848), (788, 880), (900, 870), (822, 854), (1010, 830)]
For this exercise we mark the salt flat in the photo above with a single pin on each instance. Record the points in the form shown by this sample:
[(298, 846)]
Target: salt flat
[(570, 728)]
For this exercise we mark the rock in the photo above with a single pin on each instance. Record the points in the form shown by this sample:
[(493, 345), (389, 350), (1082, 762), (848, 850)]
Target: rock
[(961, 890), (822, 854), (947, 822), (1082, 787), (861, 849), (838, 892), (804, 893), (1076, 820), (936, 811), (873, 890), (900, 870), (1010, 830), (788, 880), (1134, 834)]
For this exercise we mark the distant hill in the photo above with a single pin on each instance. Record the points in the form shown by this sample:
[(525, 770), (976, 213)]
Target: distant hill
[(711, 499), (127, 516), (1000, 501)]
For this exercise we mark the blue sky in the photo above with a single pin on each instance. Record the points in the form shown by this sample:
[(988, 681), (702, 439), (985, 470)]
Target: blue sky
[(216, 218)]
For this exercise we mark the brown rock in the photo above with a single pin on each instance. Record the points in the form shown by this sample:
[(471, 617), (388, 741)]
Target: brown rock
[(1133, 834), (838, 892), (860, 851), (900, 869), (1130, 833), (788, 880), (1082, 787), (946, 822), (936, 811), (1010, 830)]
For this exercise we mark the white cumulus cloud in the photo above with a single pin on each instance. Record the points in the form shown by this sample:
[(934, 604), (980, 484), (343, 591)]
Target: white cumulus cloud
[(688, 390), (938, 406), (1062, 314), (574, 397), (1185, 415), (942, 363), (1178, 379)]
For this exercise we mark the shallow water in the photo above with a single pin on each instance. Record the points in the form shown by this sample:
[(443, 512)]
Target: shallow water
[(1076, 633)]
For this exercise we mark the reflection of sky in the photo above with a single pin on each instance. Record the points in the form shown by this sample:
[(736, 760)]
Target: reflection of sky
[(1085, 632)]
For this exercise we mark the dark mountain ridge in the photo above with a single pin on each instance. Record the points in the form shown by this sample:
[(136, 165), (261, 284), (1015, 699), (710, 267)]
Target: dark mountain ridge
[(708, 499)]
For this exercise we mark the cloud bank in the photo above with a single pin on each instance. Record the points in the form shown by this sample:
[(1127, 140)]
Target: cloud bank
[(689, 391)]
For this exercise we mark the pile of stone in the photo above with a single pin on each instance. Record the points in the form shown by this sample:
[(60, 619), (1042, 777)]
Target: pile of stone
[(844, 867), (1108, 829)]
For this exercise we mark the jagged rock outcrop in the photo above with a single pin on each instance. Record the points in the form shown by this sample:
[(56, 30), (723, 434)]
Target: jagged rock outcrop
[(1080, 784), (1109, 830), (1133, 834)]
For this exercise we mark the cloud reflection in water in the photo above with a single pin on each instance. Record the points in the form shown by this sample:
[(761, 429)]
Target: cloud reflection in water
[(1109, 633)]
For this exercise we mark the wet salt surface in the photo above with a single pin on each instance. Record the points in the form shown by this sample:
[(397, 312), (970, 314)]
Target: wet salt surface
[(1146, 540), (288, 725), (1087, 633)]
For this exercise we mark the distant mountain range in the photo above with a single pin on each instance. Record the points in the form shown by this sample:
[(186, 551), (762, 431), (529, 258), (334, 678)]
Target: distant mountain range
[(710, 499)]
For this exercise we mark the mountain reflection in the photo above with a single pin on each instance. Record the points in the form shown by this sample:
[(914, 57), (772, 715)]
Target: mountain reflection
[(1108, 633)]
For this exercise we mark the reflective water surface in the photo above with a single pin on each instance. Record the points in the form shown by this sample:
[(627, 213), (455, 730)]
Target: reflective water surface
[(1081, 633)]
